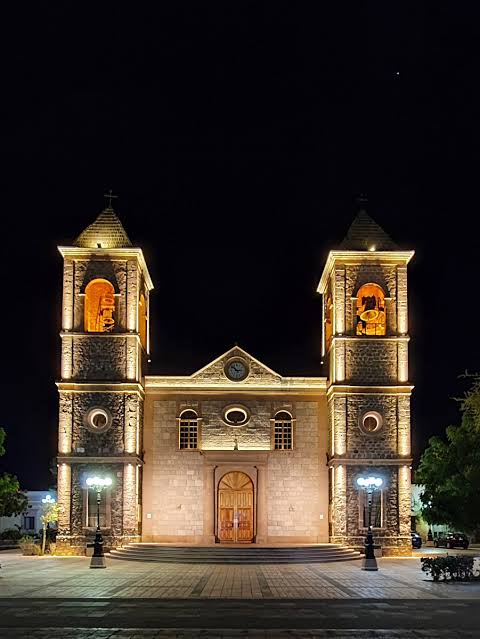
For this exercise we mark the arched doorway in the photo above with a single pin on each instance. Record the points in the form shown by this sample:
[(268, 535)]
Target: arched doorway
[(235, 508)]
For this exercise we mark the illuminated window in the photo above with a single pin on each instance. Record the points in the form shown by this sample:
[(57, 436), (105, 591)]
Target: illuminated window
[(371, 315), (376, 498), (283, 431), (142, 320), (188, 430), (91, 508), (99, 307)]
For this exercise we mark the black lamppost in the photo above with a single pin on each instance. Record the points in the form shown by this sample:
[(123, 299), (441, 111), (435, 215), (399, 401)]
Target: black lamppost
[(98, 557), (369, 485)]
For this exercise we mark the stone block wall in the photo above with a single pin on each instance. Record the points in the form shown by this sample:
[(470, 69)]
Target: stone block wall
[(370, 362), (381, 444), (174, 479), (74, 534), (99, 358), (394, 535), (216, 434), (297, 489)]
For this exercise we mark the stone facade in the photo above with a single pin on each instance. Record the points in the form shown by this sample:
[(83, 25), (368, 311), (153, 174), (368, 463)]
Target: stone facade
[(295, 481), (301, 490), (101, 372), (369, 375)]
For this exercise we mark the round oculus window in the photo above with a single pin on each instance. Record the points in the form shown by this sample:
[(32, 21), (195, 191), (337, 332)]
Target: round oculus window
[(236, 416), (371, 422), (98, 420)]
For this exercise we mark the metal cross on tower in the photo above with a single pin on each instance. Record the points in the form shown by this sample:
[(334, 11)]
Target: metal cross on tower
[(110, 197)]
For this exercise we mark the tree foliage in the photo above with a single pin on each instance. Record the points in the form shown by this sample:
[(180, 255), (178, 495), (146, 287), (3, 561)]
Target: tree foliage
[(450, 470), (12, 501)]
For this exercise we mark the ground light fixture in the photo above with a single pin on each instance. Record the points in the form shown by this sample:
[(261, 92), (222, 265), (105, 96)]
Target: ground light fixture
[(369, 484), (98, 484)]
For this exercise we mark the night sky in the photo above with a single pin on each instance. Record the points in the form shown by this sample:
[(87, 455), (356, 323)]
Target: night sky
[(237, 138)]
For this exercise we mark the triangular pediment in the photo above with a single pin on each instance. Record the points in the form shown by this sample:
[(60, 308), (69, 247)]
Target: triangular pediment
[(257, 371)]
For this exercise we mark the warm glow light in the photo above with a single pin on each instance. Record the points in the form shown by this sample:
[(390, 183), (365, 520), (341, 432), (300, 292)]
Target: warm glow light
[(371, 310), (369, 482), (99, 307), (372, 248)]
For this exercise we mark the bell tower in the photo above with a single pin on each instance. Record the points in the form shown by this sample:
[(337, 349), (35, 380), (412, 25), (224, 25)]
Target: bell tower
[(105, 345), (365, 342)]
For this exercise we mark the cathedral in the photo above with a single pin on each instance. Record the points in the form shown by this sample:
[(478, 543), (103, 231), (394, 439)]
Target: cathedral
[(234, 453)]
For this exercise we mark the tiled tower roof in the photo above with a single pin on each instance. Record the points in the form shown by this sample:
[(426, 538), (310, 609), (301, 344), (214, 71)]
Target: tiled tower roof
[(106, 232), (364, 233)]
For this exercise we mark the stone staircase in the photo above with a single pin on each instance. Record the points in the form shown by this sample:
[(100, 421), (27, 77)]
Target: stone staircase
[(225, 554)]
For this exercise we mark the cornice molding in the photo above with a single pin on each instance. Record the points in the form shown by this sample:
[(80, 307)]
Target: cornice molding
[(355, 258), (79, 253)]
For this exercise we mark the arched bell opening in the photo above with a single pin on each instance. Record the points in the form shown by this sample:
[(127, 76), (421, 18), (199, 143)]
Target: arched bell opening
[(371, 316), (99, 307)]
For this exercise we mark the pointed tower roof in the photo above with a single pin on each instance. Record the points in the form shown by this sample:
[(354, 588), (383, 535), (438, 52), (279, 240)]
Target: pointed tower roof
[(106, 232), (364, 233)]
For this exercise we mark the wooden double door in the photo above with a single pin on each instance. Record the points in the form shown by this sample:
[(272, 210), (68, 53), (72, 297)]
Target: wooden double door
[(235, 508)]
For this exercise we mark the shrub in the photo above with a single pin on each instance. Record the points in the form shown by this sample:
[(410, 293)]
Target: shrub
[(52, 548), (12, 534), (28, 546), (450, 567)]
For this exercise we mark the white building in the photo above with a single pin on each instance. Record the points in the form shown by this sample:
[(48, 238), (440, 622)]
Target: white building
[(29, 522)]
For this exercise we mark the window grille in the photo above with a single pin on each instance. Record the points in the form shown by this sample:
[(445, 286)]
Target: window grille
[(283, 431), (188, 430)]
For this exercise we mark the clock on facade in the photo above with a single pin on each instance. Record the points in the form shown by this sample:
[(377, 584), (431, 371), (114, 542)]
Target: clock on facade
[(236, 370)]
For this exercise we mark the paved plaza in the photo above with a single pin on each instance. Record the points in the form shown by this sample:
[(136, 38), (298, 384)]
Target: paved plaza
[(62, 597), (31, 577)]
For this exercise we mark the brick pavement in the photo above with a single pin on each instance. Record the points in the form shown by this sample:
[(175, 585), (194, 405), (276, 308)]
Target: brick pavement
[(71, 577), (62, 598)]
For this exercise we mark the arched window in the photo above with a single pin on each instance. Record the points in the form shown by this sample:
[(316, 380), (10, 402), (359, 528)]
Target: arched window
[(371, 314), (142, 320), (283, 431), (99, 307), (188, 430)]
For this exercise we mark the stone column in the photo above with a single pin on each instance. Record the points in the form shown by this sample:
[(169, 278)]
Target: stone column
[(67, 304), (132, 296), (404, 510), (262, 512), (402, 301), (209, 504), (64, 500), (129, 526), (339, 527)]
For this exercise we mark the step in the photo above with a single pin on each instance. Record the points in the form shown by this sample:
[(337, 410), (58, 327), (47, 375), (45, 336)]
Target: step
[(233, 554)]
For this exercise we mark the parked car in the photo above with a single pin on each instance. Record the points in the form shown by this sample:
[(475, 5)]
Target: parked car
[(452, 540), (416, 540)]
